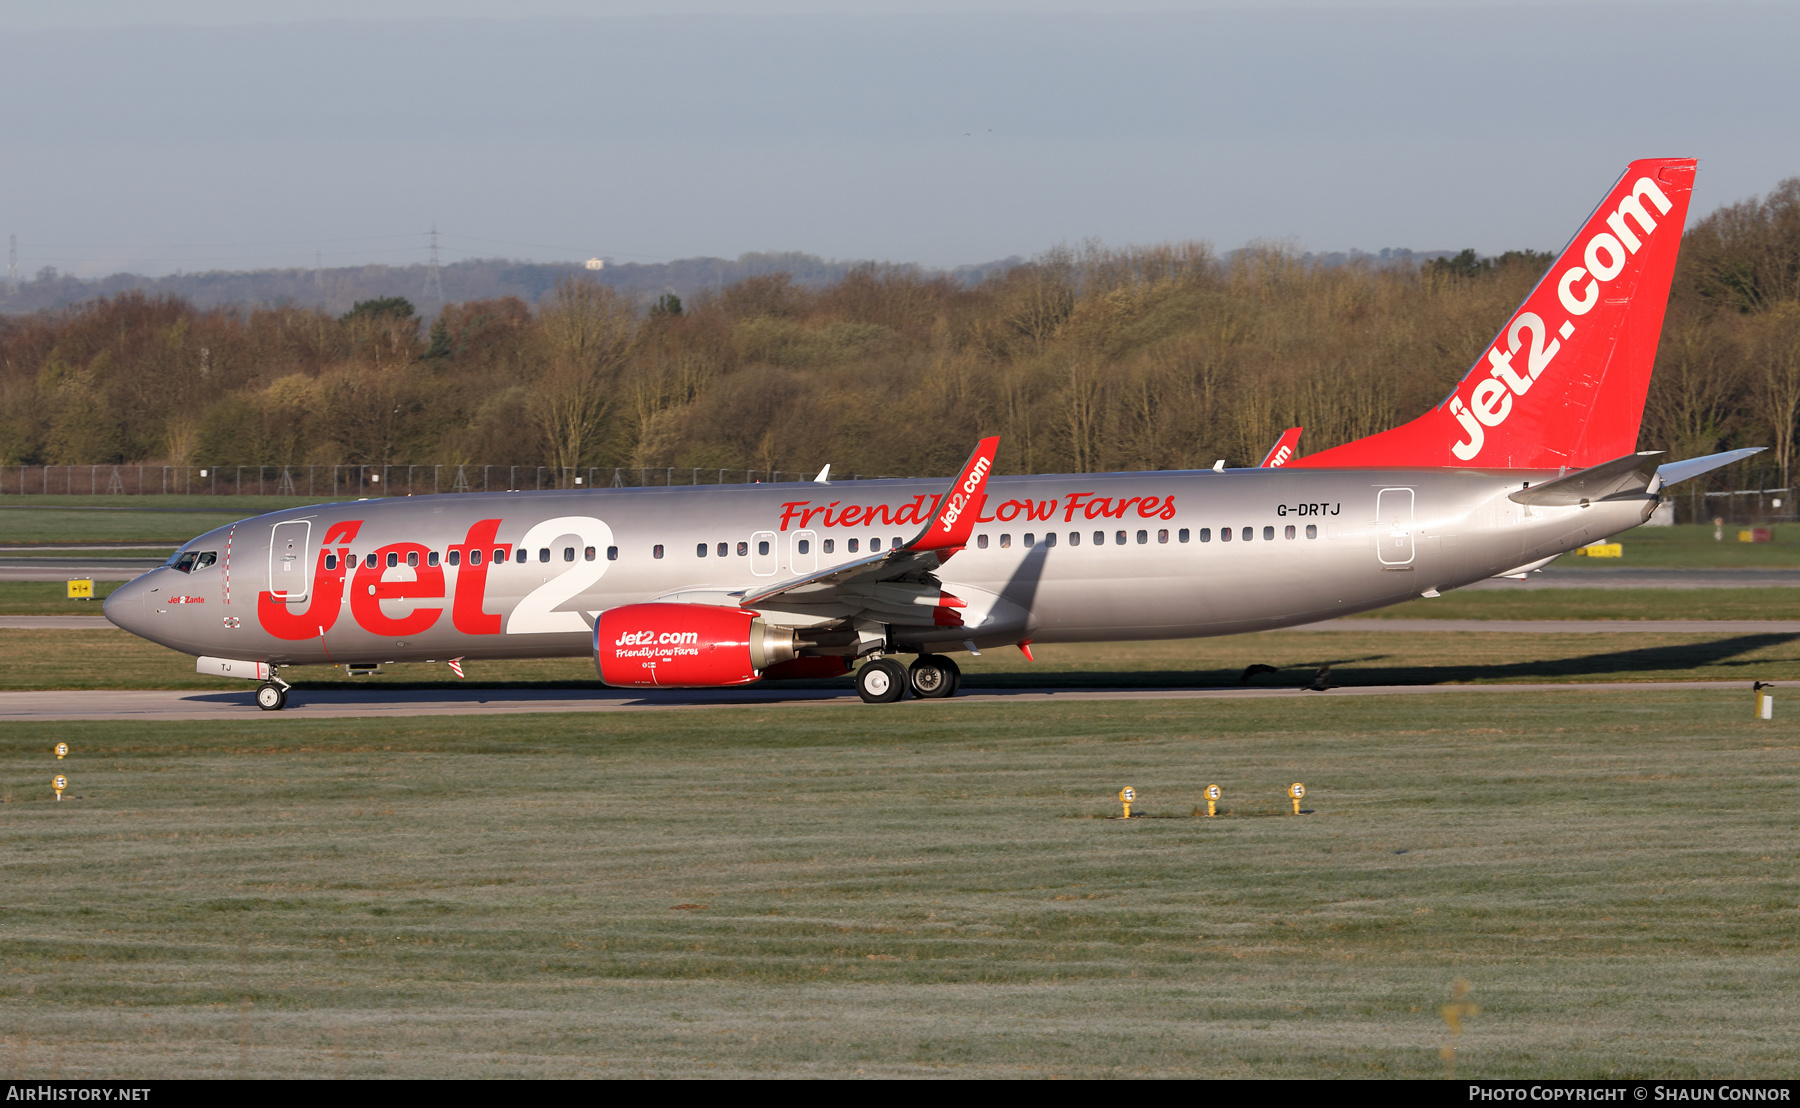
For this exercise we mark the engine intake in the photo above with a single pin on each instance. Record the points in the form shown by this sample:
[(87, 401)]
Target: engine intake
[(687, 646)]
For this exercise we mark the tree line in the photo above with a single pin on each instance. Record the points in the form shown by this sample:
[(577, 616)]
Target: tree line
[(1086, 358)]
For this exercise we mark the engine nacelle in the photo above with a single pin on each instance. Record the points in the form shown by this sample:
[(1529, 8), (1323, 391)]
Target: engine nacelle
[(686, 645)]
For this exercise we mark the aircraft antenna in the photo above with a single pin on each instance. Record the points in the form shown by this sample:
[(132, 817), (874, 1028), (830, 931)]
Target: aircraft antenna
[(434, 282)]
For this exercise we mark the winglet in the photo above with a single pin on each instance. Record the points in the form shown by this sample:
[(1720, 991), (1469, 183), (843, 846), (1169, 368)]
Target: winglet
[(1283, 449), (954, 520)]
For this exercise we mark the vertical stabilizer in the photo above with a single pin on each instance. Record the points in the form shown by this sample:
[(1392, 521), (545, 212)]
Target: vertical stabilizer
[(1563, 383)]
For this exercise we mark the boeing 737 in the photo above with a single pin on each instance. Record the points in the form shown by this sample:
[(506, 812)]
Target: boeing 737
[(1533, 454)]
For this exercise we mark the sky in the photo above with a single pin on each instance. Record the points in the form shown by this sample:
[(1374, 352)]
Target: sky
[(193, 135)]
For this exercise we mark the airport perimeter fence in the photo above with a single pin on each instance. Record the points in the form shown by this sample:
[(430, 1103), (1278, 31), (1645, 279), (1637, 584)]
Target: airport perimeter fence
[(337, 481)]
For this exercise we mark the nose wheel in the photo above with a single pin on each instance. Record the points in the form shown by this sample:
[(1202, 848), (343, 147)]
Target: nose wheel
[(271, 697)]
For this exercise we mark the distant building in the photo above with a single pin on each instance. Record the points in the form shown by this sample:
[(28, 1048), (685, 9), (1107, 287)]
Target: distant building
[(596, 263)]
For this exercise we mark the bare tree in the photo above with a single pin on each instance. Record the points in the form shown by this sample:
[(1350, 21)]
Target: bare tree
[(585, 330)]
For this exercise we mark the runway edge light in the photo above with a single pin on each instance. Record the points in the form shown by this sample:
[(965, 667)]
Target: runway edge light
[(1295, 792), (1213, 793), (1126, 796), (59, 783), (62, 751)]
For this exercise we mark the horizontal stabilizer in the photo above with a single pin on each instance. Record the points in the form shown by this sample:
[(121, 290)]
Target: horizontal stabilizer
[(1627, 476), (1693, 467)]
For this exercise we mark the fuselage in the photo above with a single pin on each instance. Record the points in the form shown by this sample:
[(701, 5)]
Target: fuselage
[(1064, 558)]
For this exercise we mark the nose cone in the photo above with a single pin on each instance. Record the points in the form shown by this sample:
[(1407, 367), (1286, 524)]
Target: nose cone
[(125, 607)]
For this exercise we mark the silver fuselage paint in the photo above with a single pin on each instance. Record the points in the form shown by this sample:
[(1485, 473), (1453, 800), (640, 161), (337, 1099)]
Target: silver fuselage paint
[(1382, 537)]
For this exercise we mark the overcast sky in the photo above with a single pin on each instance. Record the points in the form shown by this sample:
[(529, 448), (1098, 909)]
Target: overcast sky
[(197, 135)]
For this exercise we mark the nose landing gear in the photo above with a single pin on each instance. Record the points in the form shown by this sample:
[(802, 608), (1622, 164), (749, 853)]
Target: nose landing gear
[(271, 695)]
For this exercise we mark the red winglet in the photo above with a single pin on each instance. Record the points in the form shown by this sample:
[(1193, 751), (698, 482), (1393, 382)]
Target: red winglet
[(955, 518), (1283, 449)]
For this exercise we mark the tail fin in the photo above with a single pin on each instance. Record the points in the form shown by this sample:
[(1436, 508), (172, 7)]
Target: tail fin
[(1283, 450), (1563, 383)]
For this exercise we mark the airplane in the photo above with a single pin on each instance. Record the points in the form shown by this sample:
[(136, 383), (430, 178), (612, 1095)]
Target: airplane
[(1531, 455)]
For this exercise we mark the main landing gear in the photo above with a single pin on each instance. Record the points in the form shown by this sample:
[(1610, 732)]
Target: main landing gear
[(884, 680), (271, 695)]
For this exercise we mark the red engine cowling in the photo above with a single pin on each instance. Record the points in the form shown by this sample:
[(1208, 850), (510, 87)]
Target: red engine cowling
[(686, 645)]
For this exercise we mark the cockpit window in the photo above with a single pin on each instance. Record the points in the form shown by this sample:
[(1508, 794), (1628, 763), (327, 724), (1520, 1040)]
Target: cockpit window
[(187, 561)]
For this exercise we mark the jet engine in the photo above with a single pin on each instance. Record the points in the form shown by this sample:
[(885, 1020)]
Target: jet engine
[(687, 645)]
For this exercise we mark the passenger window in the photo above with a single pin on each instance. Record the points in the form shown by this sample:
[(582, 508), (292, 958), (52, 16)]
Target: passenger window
[(1143, 537), (1100, 538), (1050, 539), (412, 558), (612, 553), (656, 551), (499, 556), (981, 542), (1030, 540), (743, 549), (588, 554), (1074, 538), (1181, 535), (1312, 530), (874, 544), (1162, 536), (1290, 530), (206, 559), (455, 557), (829, 545), (700, 551), (1268, 534), (1249, 533), (1119, 538), (805, 546), (1225, 534), (1005, 542), (331, 561), (543, 553), (762, 547), (724, 549), (394, 558), (852, 545), (1205, 534), (474, 557), (431, 559), (568, 553), (897, 543)]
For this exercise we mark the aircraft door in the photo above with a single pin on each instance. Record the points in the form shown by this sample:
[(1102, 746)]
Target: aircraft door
[(803, 556), (290, 568), (1394, 527), (764, 558)]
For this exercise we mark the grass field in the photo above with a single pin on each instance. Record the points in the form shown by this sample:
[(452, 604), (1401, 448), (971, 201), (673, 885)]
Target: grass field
[(1693, 547), (105, 659), (924, 890)]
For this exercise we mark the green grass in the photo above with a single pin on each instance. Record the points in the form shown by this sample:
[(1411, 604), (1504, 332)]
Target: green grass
[(50, 598), (1692, 546), (106, 659), (1628, 604), (918, 890)]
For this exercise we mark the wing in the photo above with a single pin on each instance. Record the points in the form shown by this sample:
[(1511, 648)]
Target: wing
[(896, 585)]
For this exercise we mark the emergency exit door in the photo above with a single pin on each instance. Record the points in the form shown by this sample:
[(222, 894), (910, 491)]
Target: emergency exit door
[(1394, 527)]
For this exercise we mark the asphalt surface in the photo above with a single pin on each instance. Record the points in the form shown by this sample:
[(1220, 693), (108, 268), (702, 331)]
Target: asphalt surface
[(20, 707)]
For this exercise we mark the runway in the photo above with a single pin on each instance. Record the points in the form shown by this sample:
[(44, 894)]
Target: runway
[(236, 705), (61, 569)]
